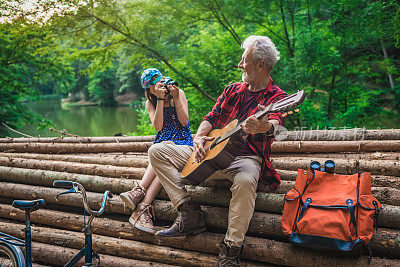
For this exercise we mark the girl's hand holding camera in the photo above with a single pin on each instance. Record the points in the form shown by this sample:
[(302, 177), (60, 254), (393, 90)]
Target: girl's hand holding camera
[(174, 91)]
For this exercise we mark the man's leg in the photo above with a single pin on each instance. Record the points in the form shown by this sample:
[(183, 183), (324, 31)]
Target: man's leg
[(244, 173), (167, 160)]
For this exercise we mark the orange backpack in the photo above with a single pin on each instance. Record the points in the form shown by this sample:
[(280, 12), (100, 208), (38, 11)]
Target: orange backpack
[(330, 211)]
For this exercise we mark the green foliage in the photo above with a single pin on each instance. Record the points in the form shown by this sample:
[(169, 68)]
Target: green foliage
[(144, 127), (342, 53)]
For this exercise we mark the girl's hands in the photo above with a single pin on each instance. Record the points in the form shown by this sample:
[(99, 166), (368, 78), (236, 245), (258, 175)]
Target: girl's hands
[(159, 90), (174, 91)]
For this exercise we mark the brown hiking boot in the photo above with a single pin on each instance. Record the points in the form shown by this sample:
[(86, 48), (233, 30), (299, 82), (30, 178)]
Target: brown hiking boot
[(229, 256), (142, 218), (134, 197), (189, 222)]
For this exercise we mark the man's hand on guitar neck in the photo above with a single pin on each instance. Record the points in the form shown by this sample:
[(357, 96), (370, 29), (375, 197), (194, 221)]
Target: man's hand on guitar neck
[(200, 139), (252, 125)]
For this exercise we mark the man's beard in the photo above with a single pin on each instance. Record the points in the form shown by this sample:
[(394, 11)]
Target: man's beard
[(246, 77)]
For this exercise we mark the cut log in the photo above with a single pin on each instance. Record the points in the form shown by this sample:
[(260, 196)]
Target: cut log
[(335, 146), (343, 166), (351, 155), (104, 159), (113, 246), (277, 147), (63, 148), (102, 139), (278, 252), (342, 135), (81, 168), (306, 135), (58, 256), (199, 194), (261, 223)]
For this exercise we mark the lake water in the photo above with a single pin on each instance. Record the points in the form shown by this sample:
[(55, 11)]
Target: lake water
[(82, 121)]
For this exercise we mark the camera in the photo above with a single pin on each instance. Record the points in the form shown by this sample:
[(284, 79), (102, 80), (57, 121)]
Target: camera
[(168, 81)]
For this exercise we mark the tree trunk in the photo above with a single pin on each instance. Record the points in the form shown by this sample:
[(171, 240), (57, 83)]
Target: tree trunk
[(102, 139), (343, 166), (63, 148), (118, 185), (57, 256), (389, 216), (127, 160), (112, 245), (381, 244), (343, 135), (277, 147), (81, 168)]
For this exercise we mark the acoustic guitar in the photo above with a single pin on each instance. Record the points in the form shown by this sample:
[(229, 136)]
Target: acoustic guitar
[(222, 151)]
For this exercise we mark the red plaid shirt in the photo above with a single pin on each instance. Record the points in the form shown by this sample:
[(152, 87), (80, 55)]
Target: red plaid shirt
[(226, 109)]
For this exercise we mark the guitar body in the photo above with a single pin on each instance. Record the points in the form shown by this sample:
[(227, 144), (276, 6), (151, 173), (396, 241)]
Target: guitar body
[(217, 158)]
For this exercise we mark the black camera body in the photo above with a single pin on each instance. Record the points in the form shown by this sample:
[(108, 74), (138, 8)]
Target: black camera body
[(168, 81)]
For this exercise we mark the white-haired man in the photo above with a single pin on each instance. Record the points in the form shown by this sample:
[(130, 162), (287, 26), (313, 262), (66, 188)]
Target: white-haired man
[(238, 101)]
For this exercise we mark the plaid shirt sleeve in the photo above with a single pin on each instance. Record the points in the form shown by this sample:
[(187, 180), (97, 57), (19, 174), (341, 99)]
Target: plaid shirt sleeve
[(213, 115)]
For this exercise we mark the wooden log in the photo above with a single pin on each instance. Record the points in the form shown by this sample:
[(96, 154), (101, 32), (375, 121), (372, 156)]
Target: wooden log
[(343, 166), (278, 147), (63, 148), (335, 146), (348, 155), (287, 176), (58, 256), (256, 248), (343, 135), (200, 194), (104, 159), (113, 246), (101, 139), (306, 135), (81, 168), (137, 173), (261, 224)]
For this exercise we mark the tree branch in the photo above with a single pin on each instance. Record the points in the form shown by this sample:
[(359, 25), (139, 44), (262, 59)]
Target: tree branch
[(157, 54)]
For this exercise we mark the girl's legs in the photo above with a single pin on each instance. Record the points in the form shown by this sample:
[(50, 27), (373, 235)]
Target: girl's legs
[(152, 191), (148, 177)]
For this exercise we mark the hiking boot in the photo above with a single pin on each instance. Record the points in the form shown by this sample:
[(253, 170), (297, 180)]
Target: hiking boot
[(142, 218), (229, 256), (189, 222), (134, 197)]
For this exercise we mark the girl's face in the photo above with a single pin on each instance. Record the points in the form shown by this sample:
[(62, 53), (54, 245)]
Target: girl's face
[(157, 84)]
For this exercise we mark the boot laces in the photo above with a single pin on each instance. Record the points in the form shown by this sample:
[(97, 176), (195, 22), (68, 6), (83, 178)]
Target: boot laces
[(148, 214)]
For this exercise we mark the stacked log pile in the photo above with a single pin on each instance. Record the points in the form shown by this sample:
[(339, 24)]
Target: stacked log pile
[(28, 166)]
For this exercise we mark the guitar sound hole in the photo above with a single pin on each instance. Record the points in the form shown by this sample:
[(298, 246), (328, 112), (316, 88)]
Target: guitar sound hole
[(215, 142)]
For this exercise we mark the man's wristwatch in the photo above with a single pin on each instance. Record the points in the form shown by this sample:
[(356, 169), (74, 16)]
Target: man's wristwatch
[(270, 131)]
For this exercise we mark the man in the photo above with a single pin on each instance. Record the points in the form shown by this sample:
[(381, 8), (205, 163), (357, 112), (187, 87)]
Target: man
[(238, 101)]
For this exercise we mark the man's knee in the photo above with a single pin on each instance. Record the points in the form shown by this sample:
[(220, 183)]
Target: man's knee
[(245, 181), (155, 150)]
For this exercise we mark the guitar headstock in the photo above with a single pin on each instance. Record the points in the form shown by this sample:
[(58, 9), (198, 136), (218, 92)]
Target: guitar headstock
[(289, 102)]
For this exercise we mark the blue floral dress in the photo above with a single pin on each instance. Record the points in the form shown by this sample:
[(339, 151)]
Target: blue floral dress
[(173, 130)]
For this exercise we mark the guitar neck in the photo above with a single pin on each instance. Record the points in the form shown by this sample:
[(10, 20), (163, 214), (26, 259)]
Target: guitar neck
[(227, 135)]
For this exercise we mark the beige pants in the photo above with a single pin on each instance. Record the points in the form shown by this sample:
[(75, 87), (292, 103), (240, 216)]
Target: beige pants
[(168, 160)]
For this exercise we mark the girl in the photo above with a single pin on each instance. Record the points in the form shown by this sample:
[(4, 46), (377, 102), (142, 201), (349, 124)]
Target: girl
[(168, 111)]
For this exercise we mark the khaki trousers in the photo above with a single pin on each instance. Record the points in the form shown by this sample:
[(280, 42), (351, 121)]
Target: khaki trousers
[(168, 160)]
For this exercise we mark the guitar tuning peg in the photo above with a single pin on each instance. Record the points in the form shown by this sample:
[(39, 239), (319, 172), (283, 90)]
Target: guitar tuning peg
[(290, 112), (296, 110), (284, 114)]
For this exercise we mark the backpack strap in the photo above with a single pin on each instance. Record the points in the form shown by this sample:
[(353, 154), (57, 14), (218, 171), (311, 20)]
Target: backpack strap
[(349, 203)]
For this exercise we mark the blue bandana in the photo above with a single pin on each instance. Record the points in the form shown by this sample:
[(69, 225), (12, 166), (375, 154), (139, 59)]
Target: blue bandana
[(150, 77)]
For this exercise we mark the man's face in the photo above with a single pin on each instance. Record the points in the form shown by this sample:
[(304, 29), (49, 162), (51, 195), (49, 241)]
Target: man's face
[(247, 65)]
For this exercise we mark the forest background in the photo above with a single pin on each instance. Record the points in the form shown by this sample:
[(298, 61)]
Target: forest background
[(345, 54)]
